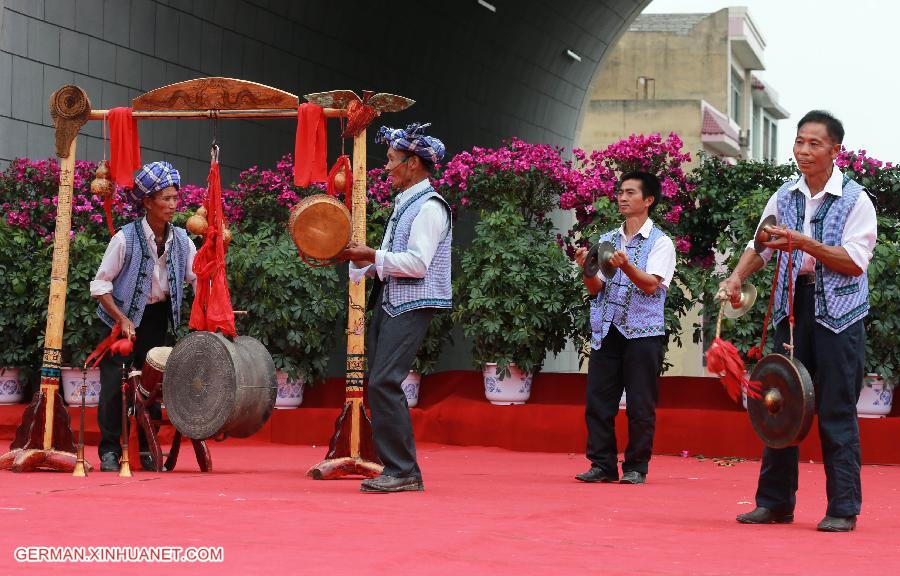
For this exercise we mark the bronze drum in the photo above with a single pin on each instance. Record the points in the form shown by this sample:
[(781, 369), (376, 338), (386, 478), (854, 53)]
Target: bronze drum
[(320, 226), (213, 386)]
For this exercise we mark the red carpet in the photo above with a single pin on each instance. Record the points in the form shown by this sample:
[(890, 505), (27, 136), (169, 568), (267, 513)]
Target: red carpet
[(694, 415), (484, 511)]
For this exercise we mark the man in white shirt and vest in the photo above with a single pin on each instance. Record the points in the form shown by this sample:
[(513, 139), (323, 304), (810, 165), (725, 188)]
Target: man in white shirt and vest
[(833, 227), (412, 272), (627, 334), (140, 285)]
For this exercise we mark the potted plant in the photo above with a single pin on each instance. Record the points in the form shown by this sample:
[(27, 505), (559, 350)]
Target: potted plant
[(291, 307), (882, 324), (28, 191), (19, 317), (882, 180), (517, 299)]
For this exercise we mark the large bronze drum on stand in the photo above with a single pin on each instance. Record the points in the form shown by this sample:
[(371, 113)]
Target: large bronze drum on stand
[(213, 386)]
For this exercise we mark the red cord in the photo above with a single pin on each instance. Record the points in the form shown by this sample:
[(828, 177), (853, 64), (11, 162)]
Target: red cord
[(762, 343)]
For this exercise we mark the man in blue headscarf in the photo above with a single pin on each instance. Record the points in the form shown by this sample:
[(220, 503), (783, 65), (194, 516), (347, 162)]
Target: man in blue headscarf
[(139, 285), (412, 281)]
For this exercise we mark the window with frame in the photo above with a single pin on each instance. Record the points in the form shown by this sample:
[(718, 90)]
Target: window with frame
[(737, 95)]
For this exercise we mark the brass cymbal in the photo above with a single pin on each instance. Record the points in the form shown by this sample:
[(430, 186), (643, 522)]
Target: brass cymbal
[(748, 297), (762, 235), (598, 260)]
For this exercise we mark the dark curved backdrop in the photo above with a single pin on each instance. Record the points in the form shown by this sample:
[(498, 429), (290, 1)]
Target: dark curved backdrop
[(479, 76)]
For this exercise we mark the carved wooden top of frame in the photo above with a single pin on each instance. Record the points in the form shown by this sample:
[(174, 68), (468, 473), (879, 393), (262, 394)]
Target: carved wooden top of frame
[(215, 94)]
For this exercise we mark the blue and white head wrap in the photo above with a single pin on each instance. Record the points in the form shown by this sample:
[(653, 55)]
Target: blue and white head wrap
[(412, 139), (154, 177)]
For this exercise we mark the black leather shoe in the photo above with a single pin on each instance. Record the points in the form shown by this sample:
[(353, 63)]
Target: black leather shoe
[(385, 483), (109, 462), (596, 475), (837, 524), (147, 463), (633, 477), (761, 515)]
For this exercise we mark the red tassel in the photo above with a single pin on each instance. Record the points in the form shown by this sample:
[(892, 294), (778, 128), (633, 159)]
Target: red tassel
[(112, 343), (122, 347), (107, 207), (724, 360), (342, 163)]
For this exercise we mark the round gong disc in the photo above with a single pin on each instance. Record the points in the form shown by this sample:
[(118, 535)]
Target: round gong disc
[(199, 384), (783, 415)]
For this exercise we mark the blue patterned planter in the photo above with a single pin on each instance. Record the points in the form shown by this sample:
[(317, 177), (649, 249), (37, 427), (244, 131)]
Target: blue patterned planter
[(72, 379), (876, 397), (514, 389), (290, 392), (411, 388), (11, 389)]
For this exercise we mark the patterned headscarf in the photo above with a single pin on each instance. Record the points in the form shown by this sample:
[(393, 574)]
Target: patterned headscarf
[(154, 177), (412, 139)]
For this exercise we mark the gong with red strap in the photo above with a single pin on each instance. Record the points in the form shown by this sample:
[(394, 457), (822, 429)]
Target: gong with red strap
[(783, 413)]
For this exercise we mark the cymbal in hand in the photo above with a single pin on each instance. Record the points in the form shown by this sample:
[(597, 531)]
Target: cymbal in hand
[(764, 233)]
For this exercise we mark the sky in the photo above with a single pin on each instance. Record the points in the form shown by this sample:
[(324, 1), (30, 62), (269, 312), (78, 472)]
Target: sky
[(828, 54)]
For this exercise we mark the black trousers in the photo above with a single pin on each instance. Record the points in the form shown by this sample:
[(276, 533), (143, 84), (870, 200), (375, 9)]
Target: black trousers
[(630, 365), (836, 363), (392, 347), (152, 332)]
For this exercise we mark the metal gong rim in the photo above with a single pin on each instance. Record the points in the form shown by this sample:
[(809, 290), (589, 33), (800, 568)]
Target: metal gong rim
[(598, 259), (198, 385), (783, 415)]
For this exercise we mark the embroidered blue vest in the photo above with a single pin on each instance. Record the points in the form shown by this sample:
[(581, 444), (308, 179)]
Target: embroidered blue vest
[(433, 291), (131, 288), (622, 304), (840, 299)]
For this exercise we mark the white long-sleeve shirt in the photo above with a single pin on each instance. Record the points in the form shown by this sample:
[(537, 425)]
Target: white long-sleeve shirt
[(428, 229), (113, 258), (860, 230)]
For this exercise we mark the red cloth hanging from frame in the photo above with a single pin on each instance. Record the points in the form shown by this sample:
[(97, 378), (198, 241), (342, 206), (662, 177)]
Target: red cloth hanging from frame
[(124, 147), (310, 146), (212, 310)]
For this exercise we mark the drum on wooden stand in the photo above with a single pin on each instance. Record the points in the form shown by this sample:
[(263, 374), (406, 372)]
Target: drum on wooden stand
[(215, 387), (321, 227)]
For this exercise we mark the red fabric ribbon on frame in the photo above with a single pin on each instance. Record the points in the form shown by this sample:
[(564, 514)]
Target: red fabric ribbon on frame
[(124, 147), (310, 146), (212, 308)]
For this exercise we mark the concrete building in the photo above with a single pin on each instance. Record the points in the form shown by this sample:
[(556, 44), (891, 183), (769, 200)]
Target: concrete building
[(692, 74)]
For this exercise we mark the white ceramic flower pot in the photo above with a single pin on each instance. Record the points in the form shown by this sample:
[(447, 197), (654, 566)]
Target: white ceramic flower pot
[(71, 385), (411, 388), (875, 399), (11, 389), (514, 389), (290, 392)]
